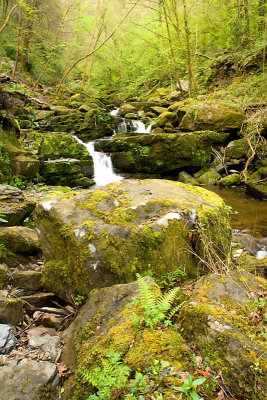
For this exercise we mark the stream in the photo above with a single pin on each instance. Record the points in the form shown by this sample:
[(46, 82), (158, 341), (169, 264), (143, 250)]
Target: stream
[(248, 216)]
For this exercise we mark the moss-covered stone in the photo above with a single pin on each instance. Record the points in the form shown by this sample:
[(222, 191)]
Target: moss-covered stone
[(210, 177), (257, 189), (237, 149), (104, 324), (98, 238), (157, 153), (20, 239), (217, 322), (230, 180), (217, 116)]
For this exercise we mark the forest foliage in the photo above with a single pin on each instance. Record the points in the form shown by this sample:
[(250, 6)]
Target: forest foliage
[(140, 42)]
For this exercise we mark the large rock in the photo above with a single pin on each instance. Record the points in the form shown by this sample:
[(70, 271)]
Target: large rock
[(161, 153), (217, 116), (14, 206), (7, 339), (11, 311), (24, 379), (20, 239), (126, 109), (104, 325), (66, 171), (96, 238), (257, 189), (221, 321)]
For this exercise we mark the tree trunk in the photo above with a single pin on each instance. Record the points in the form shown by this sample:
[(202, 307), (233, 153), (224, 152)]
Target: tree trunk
[(18, 43), (191, 77), (27, 39), (246, 21)]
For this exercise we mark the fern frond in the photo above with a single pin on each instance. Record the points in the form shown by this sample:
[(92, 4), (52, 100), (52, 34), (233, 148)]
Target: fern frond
[(164, 303), (146, 297), (175, 309)]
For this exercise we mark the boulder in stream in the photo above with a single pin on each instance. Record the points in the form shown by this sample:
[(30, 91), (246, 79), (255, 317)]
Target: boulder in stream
[(96, 238)]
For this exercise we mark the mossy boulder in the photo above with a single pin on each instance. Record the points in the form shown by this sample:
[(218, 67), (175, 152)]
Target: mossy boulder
[(231, 180), (67, 171), (20, 239), (161, 153), (237, 149), (218, 320), (187, 178), (257, 189), (14, 205), (217, 116), (127, 109), (104, 324), (163, 119), (64, 161), (14, 159), (52, 146), (210, 177), (100, 237)]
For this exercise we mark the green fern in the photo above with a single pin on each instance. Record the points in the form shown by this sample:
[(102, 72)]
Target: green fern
[(155, 310)]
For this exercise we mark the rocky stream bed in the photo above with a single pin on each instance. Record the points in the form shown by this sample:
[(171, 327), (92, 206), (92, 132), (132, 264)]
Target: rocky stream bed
[(65, 241)]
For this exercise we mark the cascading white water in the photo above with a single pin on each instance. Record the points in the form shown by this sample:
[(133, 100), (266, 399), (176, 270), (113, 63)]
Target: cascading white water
[(103, 169), (139, 127), (114, 112)]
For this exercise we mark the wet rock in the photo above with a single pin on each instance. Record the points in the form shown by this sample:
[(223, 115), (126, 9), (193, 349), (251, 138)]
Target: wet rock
[(217, 321), (11, 311), (20, 239), (252, 244), (100, 234), (22, 380), (30, 280), (7, 341), (14, 205)]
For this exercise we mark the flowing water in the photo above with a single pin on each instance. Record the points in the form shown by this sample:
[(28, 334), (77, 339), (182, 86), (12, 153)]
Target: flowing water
[(103, 169)]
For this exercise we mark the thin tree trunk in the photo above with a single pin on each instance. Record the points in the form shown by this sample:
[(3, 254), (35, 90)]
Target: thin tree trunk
[(18, 43), (90, 42), (27, 39), (246, 20), (9, 15), (173, 60), (96, 49), (191, 77)]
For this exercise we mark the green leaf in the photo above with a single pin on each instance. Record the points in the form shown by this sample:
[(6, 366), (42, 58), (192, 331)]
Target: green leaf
[(198, 382), (194, 395)]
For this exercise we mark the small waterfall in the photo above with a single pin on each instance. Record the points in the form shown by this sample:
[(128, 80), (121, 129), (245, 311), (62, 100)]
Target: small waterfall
[(139, 127), (115, 112), (122, 127), (103, 169)]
